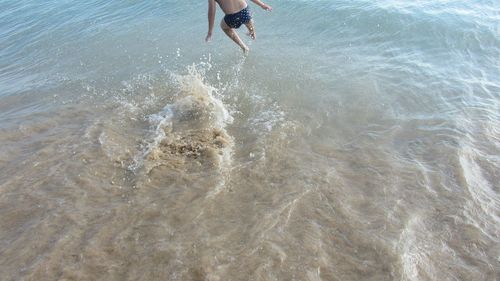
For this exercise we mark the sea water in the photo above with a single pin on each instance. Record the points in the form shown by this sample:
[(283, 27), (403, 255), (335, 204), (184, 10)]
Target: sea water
[(359, 140)]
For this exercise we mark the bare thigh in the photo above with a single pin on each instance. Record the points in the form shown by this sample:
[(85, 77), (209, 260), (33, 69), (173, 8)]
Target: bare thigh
[(224, 25)]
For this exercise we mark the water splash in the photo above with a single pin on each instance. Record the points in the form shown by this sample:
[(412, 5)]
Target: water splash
[(190, 133)]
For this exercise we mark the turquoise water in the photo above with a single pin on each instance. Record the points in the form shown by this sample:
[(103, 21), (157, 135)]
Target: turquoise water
[(358, 140)]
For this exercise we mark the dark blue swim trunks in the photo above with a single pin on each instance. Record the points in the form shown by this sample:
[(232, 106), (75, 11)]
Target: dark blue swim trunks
[(237, 19)]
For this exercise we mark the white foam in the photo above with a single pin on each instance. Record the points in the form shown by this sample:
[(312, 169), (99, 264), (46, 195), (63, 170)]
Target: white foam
[(159, 122)]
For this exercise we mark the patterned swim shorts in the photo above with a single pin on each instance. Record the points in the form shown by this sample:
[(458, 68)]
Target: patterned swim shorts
[(237, 19)]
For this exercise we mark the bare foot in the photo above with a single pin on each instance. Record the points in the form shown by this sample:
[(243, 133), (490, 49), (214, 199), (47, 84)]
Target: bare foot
[(245, 50), (251, 33), (251, 29)]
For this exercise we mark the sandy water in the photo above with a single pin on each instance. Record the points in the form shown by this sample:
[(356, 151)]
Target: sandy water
[(357, 141)]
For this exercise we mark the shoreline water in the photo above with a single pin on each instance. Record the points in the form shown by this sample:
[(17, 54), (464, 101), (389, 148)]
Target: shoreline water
[(361, 143)]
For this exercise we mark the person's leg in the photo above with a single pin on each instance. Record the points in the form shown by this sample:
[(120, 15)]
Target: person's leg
[(234, 36), (251, 29)]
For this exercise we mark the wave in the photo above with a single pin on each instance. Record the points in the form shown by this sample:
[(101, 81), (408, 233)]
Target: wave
[(484, 209)]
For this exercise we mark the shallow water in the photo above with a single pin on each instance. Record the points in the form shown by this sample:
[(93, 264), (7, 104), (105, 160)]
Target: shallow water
[(357, 141)]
